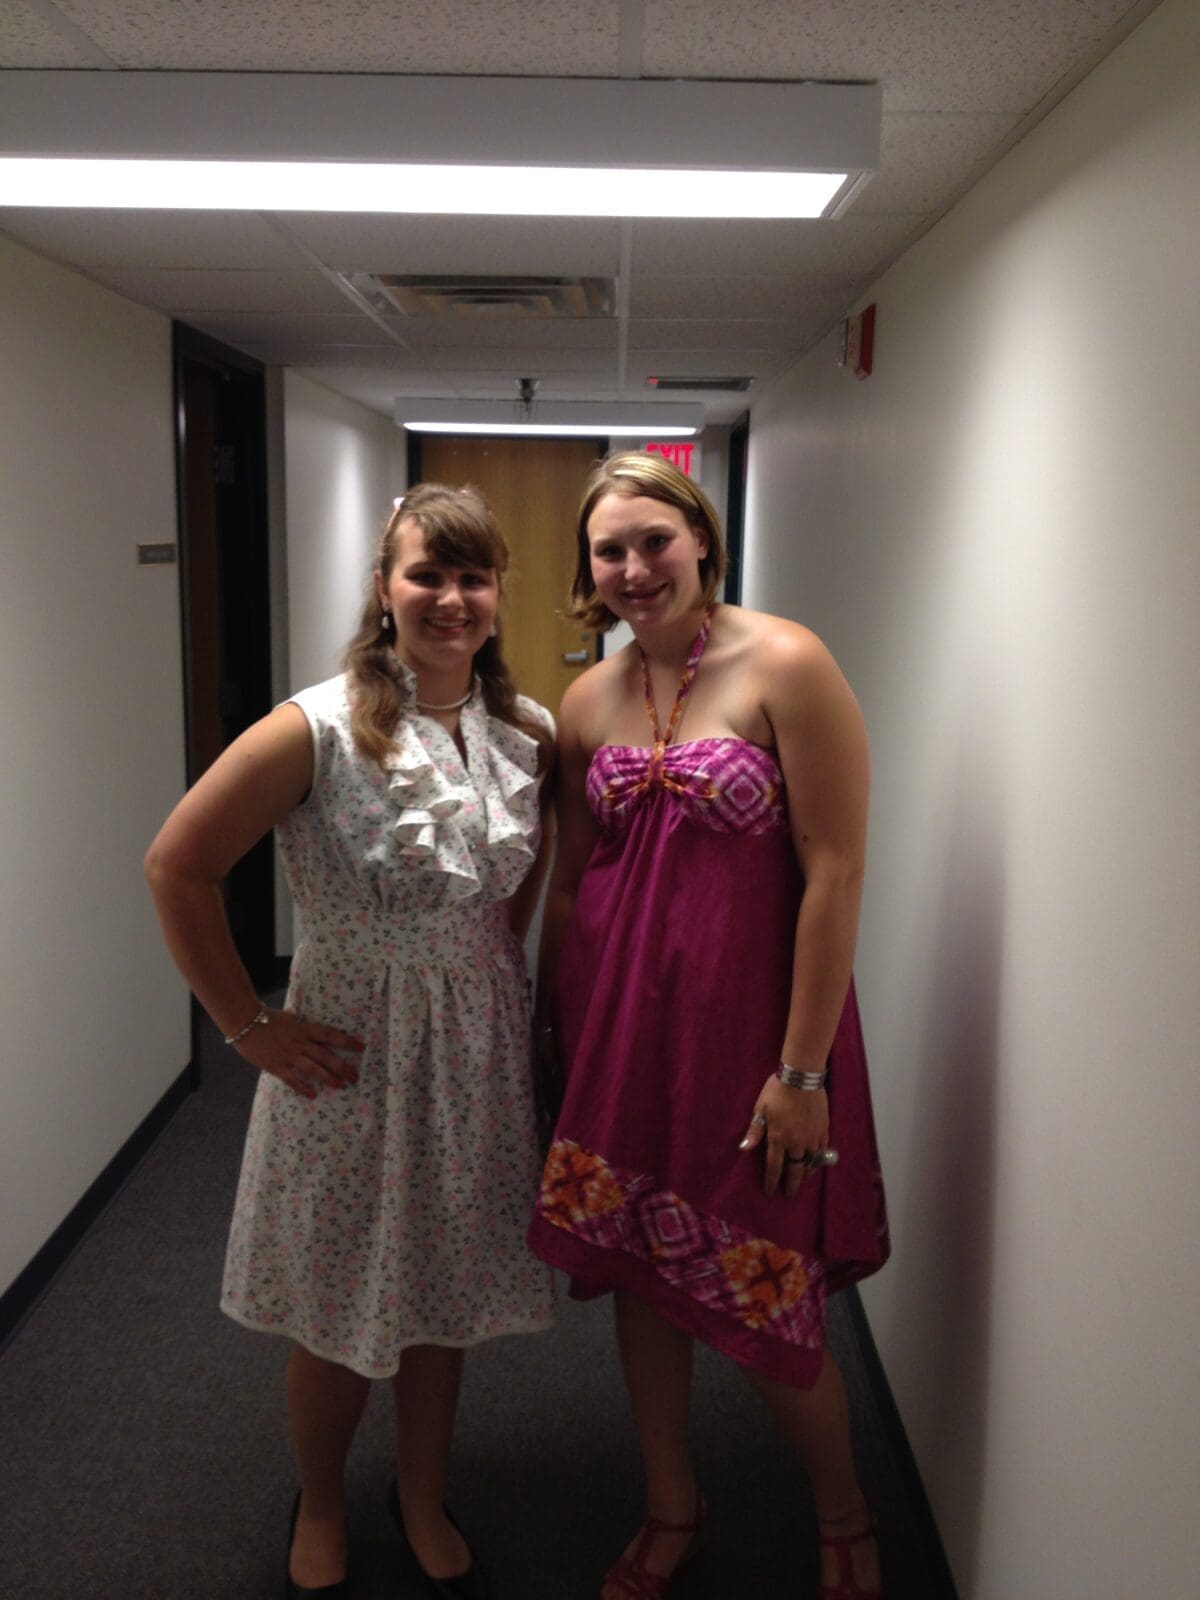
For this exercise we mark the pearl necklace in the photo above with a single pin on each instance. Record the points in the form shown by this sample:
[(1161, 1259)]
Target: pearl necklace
[(455, 705)]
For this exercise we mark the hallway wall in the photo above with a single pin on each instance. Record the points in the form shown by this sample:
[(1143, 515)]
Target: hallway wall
[(998, 535), (93, 1018), (345, 464)]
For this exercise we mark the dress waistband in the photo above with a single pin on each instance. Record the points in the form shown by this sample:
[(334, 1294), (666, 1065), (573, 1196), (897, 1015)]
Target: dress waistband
[(407, 938)]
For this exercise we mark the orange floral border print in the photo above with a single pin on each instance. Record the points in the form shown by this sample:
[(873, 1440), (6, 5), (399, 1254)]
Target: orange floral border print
[(763, 1286)]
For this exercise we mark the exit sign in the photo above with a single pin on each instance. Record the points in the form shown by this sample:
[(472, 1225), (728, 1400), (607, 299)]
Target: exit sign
[(681, 453)]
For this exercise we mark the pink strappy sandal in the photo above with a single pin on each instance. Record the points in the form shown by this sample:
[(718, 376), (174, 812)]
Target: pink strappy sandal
[(846, 1587), (629, 1577)]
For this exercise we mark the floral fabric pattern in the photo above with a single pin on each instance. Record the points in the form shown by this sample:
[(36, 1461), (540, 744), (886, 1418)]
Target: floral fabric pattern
[(717, 1264), (392, 1212)]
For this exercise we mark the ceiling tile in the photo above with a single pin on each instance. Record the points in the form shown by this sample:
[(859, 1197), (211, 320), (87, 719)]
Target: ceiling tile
[(508, 333), (566, 246), (853, 244), (525, 37), (929, 55), (149, 238), (180, 290), (334, 358), (28, 39), (643, 364), (261, 327), (749, 334), (524, 363), (777, 296), (496, 386), (928, 159)]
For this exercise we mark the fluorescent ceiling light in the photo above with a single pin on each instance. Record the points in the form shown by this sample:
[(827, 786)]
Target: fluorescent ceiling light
[(404, 187), (594, 419), (611, 147)]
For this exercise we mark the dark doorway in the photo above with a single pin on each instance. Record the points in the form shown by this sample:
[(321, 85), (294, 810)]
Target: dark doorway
[(220, 414), (735, 517)]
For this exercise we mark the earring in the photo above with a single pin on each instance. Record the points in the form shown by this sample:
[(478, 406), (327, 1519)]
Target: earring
[(492, 631), (386, 623)]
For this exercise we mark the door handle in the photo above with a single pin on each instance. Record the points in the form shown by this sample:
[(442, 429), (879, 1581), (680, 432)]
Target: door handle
[(573, 657)]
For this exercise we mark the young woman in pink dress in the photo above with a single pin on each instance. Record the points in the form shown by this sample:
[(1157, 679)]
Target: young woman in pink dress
[(714, 1163)]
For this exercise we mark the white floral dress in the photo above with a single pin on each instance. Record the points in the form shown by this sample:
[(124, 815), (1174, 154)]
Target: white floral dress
[(393, 1212)]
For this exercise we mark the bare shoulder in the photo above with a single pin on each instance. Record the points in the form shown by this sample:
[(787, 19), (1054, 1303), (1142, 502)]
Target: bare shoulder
[(784, 654)]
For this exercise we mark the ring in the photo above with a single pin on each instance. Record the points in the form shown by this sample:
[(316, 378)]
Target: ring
[(758, 1120), (813, 1159)]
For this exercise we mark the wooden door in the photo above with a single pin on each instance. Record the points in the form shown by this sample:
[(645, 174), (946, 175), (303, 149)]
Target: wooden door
[(534, 487)]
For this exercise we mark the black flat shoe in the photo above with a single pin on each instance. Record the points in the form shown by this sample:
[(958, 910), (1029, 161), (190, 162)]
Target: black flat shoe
[(297, 1591), (466, 1585)]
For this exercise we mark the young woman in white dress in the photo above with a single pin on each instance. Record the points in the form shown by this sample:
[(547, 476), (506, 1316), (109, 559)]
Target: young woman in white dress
[(391, 1156)]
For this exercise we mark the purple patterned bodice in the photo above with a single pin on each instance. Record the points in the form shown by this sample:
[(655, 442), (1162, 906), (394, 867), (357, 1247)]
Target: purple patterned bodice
[(728, 785)]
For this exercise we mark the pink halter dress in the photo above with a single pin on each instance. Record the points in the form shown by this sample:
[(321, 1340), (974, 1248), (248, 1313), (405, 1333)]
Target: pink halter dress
[(671, 996)]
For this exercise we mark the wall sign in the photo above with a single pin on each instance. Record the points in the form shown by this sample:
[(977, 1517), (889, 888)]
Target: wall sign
[(681, 453)]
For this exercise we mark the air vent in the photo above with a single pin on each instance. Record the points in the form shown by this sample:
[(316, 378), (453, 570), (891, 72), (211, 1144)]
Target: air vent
[(713, 384), (421, 295)]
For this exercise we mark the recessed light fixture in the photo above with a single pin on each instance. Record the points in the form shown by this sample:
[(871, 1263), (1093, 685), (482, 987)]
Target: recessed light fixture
[(609, 147), (625, 419)]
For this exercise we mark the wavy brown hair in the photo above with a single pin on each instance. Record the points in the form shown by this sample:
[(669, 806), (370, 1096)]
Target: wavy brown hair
[(638, 472), (460, 531)]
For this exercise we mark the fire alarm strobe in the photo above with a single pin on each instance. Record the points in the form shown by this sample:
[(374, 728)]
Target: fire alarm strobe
[(858, 343)]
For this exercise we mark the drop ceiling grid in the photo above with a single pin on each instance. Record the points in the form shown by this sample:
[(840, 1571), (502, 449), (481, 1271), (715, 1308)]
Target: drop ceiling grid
[(706, 298)]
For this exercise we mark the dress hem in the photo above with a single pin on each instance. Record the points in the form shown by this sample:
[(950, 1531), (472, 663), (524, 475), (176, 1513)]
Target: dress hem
[(364, 1369), (596, 1270)]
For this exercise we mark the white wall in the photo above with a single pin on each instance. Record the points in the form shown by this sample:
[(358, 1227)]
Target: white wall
[(998, 534), (344, 466), (93, 1019)]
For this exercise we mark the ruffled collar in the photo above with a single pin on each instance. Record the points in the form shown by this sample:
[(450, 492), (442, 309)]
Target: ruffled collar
[(476, 821)]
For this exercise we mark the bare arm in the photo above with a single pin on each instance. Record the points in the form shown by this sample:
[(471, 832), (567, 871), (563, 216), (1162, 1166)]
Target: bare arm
[(576, 836), (822, 749), (249, 788)]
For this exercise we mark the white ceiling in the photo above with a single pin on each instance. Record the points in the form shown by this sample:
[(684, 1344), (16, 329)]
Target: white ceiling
[(962, 80)]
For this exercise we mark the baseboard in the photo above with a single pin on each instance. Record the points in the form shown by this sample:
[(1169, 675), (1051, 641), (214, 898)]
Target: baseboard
[(28, 1287), (941, 1579)]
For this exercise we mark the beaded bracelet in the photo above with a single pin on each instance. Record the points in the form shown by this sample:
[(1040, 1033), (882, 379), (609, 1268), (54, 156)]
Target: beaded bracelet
[(259, 1020), (792, 1078)]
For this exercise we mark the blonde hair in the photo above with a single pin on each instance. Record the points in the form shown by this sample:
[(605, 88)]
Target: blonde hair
[(460, 531), (638, 472)]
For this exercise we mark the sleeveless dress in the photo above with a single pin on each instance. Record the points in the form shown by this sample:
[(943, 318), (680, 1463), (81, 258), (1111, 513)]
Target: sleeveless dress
[(392, 1212), (671, 1000)]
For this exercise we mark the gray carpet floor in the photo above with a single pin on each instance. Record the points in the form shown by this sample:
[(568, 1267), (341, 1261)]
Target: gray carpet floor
[(144, 1449)]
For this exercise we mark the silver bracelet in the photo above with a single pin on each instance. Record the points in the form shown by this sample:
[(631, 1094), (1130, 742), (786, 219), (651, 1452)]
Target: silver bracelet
[(792, 1078), (259, 1020)]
